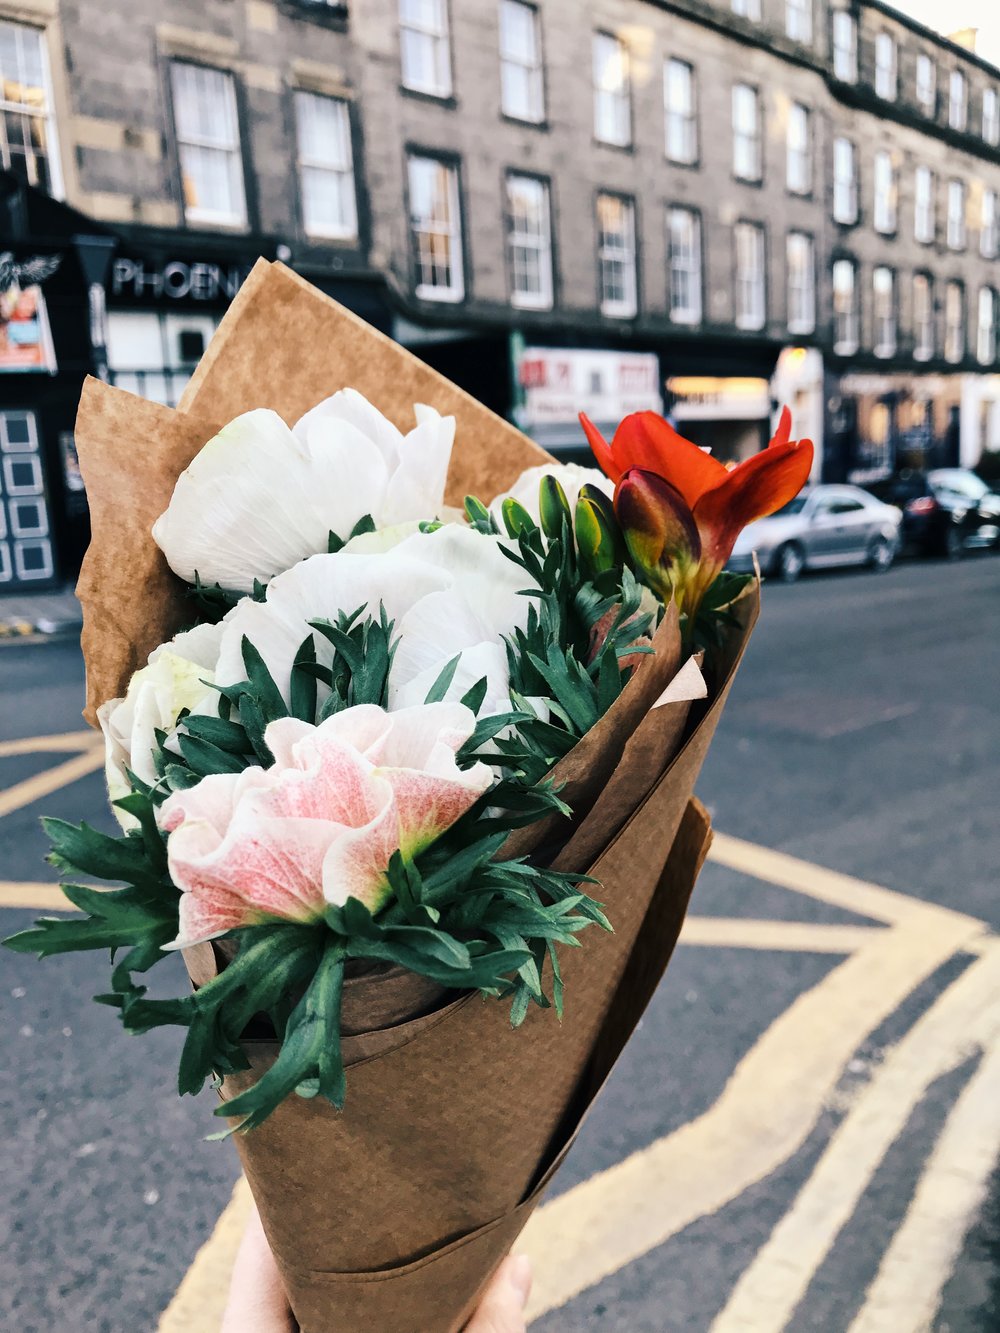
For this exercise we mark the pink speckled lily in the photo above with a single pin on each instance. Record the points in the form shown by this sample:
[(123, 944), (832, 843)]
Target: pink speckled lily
[(321, 825)]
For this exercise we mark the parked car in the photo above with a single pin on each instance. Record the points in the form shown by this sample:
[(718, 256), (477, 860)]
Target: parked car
[(822, 527), (945, 511)]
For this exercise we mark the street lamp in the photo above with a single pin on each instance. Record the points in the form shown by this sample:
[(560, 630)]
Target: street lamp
[(94, 254)]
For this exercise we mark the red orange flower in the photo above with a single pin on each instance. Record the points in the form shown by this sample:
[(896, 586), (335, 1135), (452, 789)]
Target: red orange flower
[(681, 509)]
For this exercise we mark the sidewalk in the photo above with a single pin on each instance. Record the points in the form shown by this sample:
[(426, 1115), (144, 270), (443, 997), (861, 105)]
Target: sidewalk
[(52, 614)]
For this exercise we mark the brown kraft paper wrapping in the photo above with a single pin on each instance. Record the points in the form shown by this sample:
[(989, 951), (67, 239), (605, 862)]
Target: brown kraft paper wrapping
[(446, 1134)]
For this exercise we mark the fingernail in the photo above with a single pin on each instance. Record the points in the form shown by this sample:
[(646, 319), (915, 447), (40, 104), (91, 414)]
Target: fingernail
[(519, 1276)]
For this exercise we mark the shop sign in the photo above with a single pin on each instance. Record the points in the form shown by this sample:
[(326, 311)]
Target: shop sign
[(25, 335), (177, 280), (559, 383), (718, 398)]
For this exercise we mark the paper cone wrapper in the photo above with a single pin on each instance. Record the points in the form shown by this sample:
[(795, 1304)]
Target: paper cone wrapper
[(395, 1211), (392, 1214)]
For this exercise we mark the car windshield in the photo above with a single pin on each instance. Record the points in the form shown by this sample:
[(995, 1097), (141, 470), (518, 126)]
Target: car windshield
[(793, 507), (964, 484)]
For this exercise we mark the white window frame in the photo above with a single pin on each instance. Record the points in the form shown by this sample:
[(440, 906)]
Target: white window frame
[(536, 242), (846, 322), (747, 139), (684, 266), (429, 35), (884, 318), (225, 141), (750, 296), (956, 215), (627, 306), (45, 115), (954, 330), (528, 64), (886, 66), (800, 265), (923, 205), (338, 163), (747, 9), (799, 21), (680, 111), (845, 46), (923, 328), (798, 149), (926, 87), (450, 228), (885, 211), (612, 90), (845, 188), (991, 116), (986, 329), (989, 228), (958, 100)]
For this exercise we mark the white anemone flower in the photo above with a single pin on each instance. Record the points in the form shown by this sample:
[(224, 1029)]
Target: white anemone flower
[(177, 677), (451, 592), (570, 476), (259, 497)]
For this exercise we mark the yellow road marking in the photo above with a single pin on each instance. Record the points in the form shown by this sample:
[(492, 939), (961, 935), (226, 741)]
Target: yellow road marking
[(67, 740), (763, 1115), (48, 897), (829, 886), (906, 1293), (200, 1300), (43, 784), (737, 932), (965, 1017)]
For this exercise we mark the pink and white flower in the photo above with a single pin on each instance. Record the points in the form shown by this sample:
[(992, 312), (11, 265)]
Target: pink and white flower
[(322, 823)]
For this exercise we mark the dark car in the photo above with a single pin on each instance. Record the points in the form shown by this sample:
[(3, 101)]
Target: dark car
[(945, 511)]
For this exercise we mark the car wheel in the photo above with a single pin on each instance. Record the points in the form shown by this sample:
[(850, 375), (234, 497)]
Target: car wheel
[(881, 554), (789, 563), (954, 543)]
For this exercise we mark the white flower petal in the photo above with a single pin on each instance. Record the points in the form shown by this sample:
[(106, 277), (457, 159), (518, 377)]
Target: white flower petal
[(353, 407), (416, 489)]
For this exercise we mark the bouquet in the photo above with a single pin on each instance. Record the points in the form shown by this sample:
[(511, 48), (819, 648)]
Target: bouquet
[(402, 722)]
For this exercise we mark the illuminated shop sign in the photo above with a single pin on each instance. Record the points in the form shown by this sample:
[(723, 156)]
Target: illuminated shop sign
[(177, 280)]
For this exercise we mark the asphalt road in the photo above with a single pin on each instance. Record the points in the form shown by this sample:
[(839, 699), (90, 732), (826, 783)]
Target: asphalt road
[(863, 736)]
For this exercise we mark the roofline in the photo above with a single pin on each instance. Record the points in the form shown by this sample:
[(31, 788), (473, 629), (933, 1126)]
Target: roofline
[(931, 34)]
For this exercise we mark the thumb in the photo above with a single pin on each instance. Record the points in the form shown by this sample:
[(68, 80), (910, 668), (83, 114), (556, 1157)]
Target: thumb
[(502, 1308)]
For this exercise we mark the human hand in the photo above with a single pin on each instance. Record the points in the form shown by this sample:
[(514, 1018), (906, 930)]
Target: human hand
[(257, 1301)]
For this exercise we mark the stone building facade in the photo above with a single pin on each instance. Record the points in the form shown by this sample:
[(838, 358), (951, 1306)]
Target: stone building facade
[(702, 204)]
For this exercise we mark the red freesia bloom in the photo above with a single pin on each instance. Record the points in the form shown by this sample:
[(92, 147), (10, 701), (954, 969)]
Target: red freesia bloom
[(687, 553)]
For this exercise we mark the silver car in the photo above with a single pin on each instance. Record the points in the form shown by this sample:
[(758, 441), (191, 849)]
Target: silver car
[(824, 526)]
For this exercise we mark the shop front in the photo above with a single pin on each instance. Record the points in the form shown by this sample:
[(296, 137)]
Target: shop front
[(555, 384), (48, 257), (879, 424)]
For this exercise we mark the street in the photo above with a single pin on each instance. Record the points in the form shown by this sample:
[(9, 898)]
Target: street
[(801, 1134)]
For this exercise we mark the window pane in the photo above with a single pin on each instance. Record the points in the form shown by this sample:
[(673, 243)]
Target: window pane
[(325, 169), (27, 125), (684, 255), (208, 144), (746, 133), (423, 46), (616, 255), (750, 306), (529, 242), (436, 230), (801, 266), (612, 114), (679, 107), (844, 307), (520, 61)]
